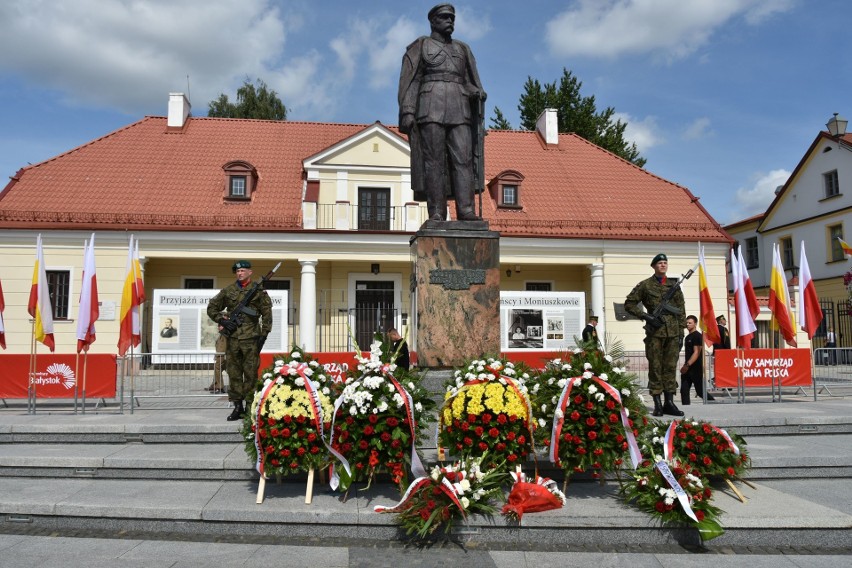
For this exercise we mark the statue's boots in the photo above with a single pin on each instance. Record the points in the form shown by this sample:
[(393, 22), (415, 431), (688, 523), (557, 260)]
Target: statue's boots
[(669, 406)]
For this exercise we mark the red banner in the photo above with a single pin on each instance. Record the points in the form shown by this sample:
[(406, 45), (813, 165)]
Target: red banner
[(56, 375), (763, 367)]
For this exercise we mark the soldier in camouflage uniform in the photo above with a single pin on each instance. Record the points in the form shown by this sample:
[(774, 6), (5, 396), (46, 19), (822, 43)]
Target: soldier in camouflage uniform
[(246, 340), (662, 347)]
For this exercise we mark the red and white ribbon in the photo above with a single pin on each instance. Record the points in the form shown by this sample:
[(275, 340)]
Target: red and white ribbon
[(668, 442), (316, 410), (416, 465), (728, 439), (446, 486), (268, 384)]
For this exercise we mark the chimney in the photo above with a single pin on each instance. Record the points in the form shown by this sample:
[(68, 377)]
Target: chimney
[(548, 127), (179, 108)]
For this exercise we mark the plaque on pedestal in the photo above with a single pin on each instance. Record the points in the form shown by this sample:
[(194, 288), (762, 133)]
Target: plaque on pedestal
[(456, 289)]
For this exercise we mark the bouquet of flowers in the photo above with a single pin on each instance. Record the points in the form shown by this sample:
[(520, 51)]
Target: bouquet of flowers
[(486, 411), (539, 494), (674, 492), (285, 426), (379, 416), (594, 413), (449, 494), (707, 448)]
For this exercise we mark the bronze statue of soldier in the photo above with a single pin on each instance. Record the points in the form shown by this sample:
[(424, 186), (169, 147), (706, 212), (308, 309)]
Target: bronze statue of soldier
[(440, 108)]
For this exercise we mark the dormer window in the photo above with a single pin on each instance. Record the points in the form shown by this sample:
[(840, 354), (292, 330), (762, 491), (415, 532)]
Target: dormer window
[(240, 181), (505, 189), (238, 187), (510, 195)]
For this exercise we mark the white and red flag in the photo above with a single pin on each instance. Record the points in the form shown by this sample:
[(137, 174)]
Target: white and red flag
[(89, 311), (39, 306), (745, 320), (810, 314)]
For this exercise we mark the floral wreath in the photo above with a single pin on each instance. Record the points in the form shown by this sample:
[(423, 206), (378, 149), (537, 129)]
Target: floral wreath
[(674, 493), (448, 495), (706, 447), (378, 418), (284, 429), (593, 408), (487, 411)]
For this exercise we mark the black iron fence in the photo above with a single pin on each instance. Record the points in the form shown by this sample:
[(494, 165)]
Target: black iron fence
[(370, 218)]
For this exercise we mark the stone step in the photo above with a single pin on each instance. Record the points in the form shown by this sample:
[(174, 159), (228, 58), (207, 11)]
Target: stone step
[(779, 457), (594, 514)]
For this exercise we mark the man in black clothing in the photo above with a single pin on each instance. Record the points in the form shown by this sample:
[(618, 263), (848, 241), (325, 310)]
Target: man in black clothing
[(400, 347), (590, 333), (692, 372), (724, 334)]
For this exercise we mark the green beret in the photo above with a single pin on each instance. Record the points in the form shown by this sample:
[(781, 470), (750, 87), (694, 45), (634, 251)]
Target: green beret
[(593, 318), (240, 264), (658, 258), (441, 9)]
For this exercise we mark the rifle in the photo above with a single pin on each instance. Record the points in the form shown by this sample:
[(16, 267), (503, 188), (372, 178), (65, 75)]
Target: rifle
[(654, 320), (479, 149), (236, 316)]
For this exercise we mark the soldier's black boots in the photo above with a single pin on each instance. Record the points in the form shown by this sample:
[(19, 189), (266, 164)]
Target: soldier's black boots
[(669, 406), (658, 405), (238, 411)]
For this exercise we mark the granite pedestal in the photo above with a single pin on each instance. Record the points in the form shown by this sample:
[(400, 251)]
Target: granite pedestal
[(456, 283)]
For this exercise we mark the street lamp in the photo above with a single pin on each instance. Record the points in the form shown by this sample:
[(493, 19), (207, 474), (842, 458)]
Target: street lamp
[(837, 125)]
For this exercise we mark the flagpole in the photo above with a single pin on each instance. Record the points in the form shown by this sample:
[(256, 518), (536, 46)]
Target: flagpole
[(31, 392), (76, 377), (85, 362)]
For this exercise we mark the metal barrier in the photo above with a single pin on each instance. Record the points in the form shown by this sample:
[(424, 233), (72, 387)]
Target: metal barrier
[(832, 369), (181, 376)]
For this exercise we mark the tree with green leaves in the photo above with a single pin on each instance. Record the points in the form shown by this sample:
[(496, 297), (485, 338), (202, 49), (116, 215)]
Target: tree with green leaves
[(499, 122), (576, 113), (253, 101)]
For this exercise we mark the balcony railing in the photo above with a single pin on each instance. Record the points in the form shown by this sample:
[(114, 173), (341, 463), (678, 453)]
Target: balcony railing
[(344, 216)]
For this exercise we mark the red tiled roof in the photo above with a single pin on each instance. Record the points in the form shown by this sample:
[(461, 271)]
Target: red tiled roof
[(145, 176), (577, 189)]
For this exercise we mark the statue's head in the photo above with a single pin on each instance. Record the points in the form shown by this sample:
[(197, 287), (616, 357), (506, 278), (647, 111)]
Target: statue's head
[(442, 18)]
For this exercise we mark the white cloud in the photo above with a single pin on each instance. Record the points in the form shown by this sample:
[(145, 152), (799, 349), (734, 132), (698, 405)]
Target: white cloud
[(750, 201), (386, 57), (129, 55), (671, 28), (471, 26), (644, 133), (700, 128)]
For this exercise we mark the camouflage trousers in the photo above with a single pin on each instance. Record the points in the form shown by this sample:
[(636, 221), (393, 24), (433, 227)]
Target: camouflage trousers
[(663, 354), (241, 362)]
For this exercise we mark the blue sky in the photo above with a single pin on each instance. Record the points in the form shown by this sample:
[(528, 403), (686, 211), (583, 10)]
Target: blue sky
[(721, 96)]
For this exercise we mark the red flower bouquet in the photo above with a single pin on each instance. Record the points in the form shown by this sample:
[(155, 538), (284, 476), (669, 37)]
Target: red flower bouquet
[(674, 492), (707, 448), (448, 495), (487, 411), (285, 426)]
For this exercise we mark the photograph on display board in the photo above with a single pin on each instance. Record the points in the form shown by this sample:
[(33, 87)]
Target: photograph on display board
[(526, 329), (169, 329), (209, 334)]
